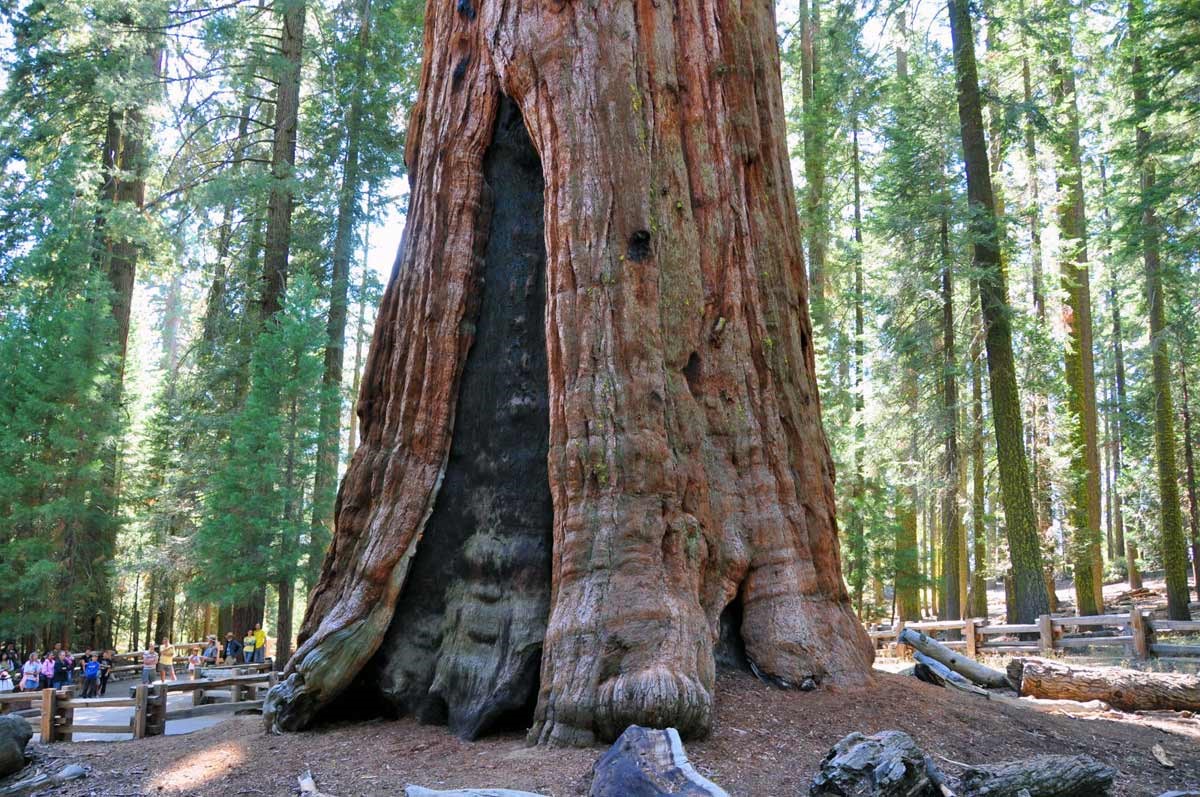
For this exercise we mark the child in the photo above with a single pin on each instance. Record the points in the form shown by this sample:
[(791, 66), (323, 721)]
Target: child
[(149, 665), (106, 664), (31, 673), (6, 684), (91, 676), (194, 662)]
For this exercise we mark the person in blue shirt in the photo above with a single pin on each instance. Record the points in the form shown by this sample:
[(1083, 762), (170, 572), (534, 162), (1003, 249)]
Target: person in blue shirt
[(91, 676)]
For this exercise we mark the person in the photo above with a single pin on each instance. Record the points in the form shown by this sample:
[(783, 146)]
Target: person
[(6, 684), (149, 665), (106, 665), (233, 648), (195, 660), (248, 647), (31, 673), (212, 651), (9, 660), (166, 655), (91, 676), (47, 671), (61, 670), (260, 643)]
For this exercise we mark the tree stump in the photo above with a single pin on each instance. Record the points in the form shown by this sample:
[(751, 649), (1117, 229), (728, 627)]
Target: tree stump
[(888, 764), (1040, 776), (590, 421), (1127, 690), (649, 763)]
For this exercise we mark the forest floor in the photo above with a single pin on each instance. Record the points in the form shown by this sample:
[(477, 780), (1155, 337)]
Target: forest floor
[(767, 743)]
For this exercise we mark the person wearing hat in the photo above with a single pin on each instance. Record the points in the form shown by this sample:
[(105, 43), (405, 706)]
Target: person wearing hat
[(6, 684), (232, 649)]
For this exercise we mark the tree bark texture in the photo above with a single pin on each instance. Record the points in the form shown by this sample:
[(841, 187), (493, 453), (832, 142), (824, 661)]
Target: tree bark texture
[(1030, 599), (686, 467), (1127, 690)]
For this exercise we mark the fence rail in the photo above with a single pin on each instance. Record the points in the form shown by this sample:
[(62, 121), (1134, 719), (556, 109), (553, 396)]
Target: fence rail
[(223, 690), (1137, 633)]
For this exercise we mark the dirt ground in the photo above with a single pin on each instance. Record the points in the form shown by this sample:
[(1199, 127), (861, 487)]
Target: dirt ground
[(767, 743)]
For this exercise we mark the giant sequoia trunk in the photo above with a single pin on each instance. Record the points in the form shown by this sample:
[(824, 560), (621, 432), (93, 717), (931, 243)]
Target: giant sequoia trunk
[(591, 451)]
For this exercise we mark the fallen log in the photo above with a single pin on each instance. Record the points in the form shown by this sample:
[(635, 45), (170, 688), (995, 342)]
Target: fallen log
[(1040, 776), (43, 781), (979, 673), (888, 764), (1127, 690), (648, 763), (934, 672)]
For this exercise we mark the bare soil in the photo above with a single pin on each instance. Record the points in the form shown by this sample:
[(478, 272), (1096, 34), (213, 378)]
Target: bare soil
[(767, 743)]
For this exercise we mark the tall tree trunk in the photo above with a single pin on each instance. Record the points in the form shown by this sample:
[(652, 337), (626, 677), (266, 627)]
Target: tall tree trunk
[(1029, 591), (814, 108), (1189, 459), (1172, 541), (676, 491), (280, 201), (858, 492), (953, 605), (1083, 495), (329, 434), (979, 601), (285, 586), (215, 301)]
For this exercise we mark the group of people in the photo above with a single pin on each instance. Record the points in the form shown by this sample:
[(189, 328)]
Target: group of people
[(55, 669), (90, 670)]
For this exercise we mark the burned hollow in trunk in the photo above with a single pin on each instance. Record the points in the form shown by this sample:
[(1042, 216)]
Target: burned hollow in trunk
[(464, 646)]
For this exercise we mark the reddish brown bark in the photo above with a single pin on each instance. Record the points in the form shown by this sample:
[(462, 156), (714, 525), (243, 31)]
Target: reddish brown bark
[(687, 465)]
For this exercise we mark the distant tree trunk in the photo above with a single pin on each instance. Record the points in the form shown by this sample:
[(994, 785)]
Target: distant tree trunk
[(1083, 495), (858, 492), (285, 587), (602, 496), (215, 302), (1189, 458), (356, 383), (283, 157), (246, 614), (1028, 588), (1173, 543), (907, 564), (1039, 434), (329, 434), (813, 98), (979, 602), (952, 605)]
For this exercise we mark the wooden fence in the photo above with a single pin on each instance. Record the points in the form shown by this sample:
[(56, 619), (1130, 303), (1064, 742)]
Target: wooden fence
[(1137, 633), (222, 690)]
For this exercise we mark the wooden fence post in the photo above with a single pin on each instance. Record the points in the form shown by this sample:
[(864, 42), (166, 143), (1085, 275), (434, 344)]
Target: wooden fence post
[(969, 634), (1046, 633), (1137, 627), (900, 649), (139, 711), (49, 710), (68, 717), (156, 719)]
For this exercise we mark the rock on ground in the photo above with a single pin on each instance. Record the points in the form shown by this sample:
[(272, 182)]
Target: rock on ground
[(15, 733)]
